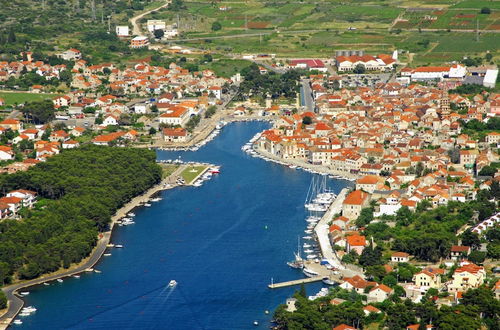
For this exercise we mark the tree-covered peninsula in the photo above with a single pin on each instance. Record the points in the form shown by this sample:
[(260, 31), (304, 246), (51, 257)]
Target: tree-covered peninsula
[(78, 191)]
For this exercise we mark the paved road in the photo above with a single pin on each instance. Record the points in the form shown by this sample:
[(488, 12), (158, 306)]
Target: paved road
[(136, 27), (307, 95)]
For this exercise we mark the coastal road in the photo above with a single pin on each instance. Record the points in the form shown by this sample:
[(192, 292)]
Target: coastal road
[(16, 303), (136, 27), (307, 95)]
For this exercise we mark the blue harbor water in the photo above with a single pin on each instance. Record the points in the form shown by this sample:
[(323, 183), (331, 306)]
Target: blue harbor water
[(221, 242)]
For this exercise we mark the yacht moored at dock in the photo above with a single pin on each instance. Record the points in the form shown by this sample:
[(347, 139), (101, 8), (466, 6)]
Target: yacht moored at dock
[(309, 272)]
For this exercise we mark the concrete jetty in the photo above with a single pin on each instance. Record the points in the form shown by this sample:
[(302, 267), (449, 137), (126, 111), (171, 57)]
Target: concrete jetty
[(295, 282)]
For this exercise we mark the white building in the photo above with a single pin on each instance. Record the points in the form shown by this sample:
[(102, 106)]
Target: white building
[(490, 78), (141, 108), (170, 32), (122, 30), (216, 91), (71, 54), (155, 24), (110, 120), (175, 116), (438, 72)]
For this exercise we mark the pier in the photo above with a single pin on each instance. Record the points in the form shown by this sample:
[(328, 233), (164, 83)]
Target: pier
[(295, 282)]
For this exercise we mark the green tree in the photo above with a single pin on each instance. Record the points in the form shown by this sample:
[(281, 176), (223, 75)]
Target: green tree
[(158, 33), (477, 257), (3, 300), (216, 26), (177, 5), (359, 69), (365, 217), (302, 292), (471, 239), (487, 171), (371, 256), (485, 10), (39, 112), (306, 120), (399, 316), (390, 280)]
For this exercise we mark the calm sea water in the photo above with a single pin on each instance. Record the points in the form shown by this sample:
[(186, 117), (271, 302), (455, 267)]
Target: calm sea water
[(221, 242)]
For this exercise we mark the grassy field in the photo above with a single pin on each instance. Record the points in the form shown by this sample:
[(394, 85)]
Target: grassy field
[(21, 97), (192, 172), (226, 67), (168, 169), (478, 4)]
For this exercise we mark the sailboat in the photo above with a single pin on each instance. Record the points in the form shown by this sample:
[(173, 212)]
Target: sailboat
[(298, 263), (319, 196)]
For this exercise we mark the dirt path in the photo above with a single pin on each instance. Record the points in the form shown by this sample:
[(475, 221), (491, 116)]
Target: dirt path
[(136, 27)]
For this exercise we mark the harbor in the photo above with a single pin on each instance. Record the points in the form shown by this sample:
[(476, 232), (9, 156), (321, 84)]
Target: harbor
[(219, 245)]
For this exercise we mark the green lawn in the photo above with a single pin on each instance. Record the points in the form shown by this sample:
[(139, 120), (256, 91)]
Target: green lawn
[(226, 67), (168, 169), (192, 172), (20, 97)]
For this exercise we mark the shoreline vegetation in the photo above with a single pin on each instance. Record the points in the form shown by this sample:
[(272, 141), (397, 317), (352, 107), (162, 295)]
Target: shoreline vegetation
[(15, 302), (79, 191)]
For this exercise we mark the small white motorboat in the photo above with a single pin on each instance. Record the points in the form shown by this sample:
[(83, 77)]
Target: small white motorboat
[(60, 280), (24, 293), (18, 322), (172, 283), (76, 276)]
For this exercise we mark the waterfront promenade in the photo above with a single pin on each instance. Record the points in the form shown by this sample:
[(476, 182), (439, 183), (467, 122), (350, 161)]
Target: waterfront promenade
[(203, 131), (15, 303), (312, 167), (322, 230)]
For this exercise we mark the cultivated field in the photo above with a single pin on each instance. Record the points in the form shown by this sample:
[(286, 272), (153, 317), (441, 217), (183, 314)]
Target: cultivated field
[(317, 29)]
